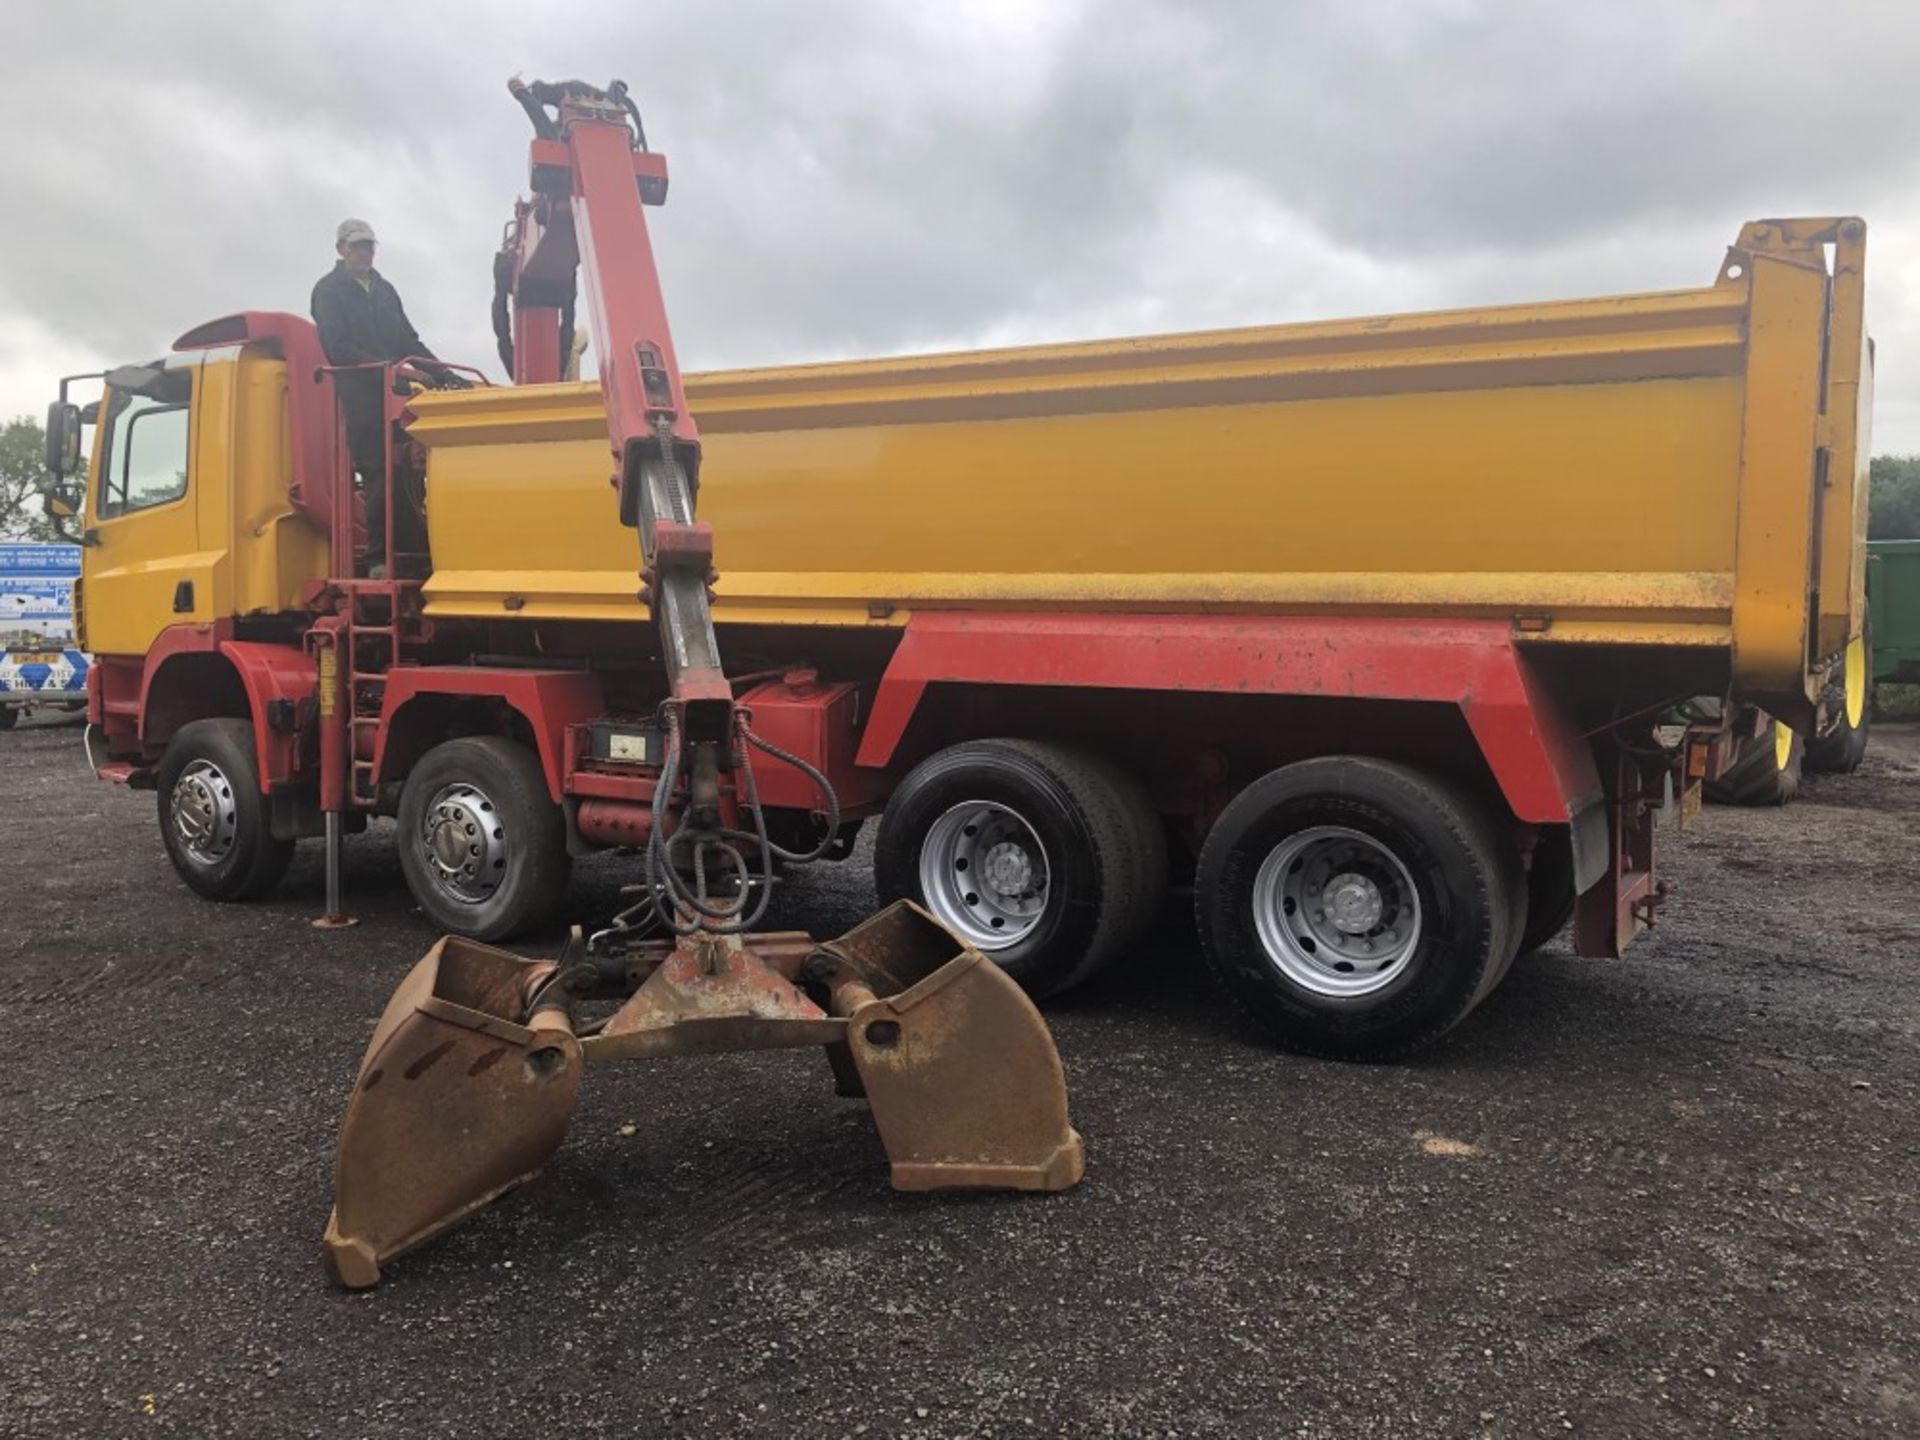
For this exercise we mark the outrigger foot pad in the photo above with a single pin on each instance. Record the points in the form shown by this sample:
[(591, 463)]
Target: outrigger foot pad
[(473, 1073)]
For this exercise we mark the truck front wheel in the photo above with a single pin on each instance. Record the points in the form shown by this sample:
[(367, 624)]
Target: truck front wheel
[(482, 844), (213, 818), (1356, 908), (1048, 861)]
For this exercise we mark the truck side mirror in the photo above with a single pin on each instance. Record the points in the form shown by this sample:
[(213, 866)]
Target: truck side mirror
[(62, 506), (58, 498), (63, 439)]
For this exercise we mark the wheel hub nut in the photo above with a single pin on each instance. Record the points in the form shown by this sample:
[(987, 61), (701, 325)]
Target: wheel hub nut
[(455, 845), (195, 809), (1353, 903), (1007, 868)]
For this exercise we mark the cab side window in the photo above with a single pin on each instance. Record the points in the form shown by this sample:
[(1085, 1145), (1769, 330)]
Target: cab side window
[(146, 457)]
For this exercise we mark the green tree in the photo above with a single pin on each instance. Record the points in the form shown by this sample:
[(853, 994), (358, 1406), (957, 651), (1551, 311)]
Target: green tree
[(1894, 512), (23, 472)]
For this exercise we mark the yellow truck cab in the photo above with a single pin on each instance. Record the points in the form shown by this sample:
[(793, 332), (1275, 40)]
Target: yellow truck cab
[(187, 510)]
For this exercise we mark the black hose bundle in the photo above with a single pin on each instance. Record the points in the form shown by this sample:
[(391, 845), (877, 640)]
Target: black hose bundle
[(502, 307), (687, 907)]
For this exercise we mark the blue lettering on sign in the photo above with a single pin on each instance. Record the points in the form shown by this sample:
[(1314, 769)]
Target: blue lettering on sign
[(53, 562)]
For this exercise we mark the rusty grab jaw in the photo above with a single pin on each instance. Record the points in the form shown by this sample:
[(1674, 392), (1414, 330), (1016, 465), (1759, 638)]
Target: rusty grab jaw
[(959, 1069), (471, 1079), (457, 1101)]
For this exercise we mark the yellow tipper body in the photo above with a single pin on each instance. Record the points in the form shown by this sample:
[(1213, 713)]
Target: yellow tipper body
[(1684, 468)]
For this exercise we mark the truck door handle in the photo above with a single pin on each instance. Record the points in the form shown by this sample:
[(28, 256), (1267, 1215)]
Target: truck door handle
[(183, 598)]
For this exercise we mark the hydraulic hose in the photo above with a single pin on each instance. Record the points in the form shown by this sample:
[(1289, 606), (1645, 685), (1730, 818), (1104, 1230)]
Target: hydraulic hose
[(502, 312), (687, 908)]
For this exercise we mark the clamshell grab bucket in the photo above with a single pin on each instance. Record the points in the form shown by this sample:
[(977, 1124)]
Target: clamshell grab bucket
[(456, 1103), (960, 1069), (458, 1100)]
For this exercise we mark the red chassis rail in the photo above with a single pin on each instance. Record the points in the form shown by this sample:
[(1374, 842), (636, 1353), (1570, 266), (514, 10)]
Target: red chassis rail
[(856, 730)]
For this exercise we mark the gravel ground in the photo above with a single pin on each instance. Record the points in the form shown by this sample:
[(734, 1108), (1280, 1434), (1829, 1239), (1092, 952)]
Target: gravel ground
[(1671, 1195)]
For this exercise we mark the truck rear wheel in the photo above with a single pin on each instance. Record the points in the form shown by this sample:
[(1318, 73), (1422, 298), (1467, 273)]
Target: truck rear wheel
[(482, 844), (1357, 908), (1765, 771), (213, 818), (1049, 861), (9, 717)]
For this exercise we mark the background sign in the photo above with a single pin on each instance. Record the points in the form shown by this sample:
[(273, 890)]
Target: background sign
[(40, 560), (36, 594)]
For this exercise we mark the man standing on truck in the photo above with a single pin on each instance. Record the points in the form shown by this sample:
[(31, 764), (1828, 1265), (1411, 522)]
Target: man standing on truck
[(362, 321)]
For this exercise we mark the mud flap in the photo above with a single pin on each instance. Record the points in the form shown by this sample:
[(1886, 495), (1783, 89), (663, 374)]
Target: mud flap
[(960, 1070), (456, 1102)]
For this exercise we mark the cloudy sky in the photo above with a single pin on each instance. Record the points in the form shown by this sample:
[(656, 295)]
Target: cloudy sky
[(863, 178)]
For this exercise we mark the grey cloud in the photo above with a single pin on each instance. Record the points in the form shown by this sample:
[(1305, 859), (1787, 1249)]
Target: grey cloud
[(861, 178)]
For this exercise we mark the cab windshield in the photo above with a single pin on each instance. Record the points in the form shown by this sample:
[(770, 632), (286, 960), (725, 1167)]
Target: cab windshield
[(144, 458)]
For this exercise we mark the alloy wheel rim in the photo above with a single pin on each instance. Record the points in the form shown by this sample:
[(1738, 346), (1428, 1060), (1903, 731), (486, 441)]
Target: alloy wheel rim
[(464, 843), (985, 875), (204, 813), (1336, 912)]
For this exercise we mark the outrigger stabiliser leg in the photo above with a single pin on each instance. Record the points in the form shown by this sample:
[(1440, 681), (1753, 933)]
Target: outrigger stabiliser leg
[(470, 1081)]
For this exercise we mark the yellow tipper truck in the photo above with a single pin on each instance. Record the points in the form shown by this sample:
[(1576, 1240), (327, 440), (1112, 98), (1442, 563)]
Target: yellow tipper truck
[(1363, 628)]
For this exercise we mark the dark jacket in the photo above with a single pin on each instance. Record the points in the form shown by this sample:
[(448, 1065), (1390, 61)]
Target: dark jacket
[(358, 324)]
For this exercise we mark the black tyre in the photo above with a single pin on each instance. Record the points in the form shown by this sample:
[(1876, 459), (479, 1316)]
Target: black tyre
[(9, 717), (482, 844), (1049, 861), (1840, 750), (1357, 908), (1550, 897), (1849, 697), (1765, 771), (213, 818)]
